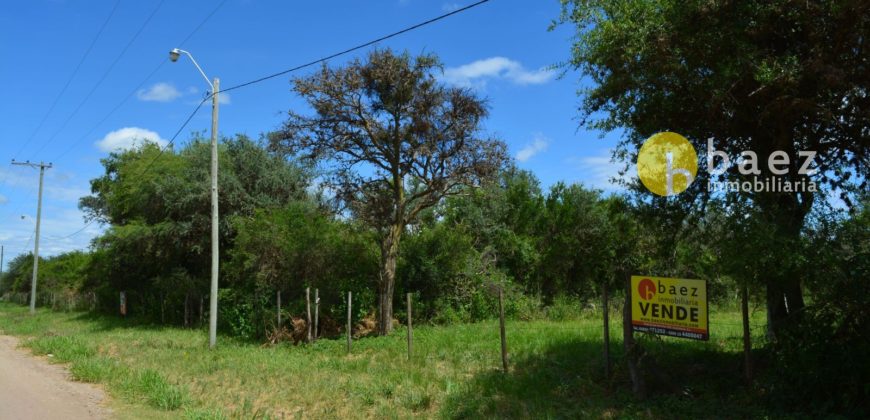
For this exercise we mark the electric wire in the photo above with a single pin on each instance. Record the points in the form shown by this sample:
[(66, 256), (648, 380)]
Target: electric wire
[(355, 48), (68, 82), (101, 80), (70, 79), (148, 166), (274, 75), (139, 86), (130, 95)]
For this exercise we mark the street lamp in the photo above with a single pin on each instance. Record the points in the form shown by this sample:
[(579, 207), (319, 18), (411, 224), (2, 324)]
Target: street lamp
[(213, 298)]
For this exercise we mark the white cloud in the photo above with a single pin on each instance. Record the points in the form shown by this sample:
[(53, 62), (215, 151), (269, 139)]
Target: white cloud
[(3, 199), (538, 145), (449, 7), (599, 171), (475, 74), (128, 137), (159, 92), (224, 98), (67, 193)]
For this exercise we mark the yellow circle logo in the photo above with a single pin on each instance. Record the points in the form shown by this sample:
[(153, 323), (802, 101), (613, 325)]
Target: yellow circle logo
[(667, 163)]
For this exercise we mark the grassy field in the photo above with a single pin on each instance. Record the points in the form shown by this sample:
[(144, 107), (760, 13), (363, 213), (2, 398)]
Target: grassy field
[(556, 371)]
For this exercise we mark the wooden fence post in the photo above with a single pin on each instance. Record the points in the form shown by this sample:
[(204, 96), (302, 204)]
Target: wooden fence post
[(308, 313), (278, 300), (410, 330), (349, 302), (605, 301), (747, 339), (316, 312), (504, 355)]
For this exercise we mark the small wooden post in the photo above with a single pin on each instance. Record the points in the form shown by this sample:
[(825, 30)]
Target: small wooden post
[(186, 310), (308, 313), (605, 301), (747, 334), (316, 312), (349, 301), (278, 300), (410, 330), (504, 355)]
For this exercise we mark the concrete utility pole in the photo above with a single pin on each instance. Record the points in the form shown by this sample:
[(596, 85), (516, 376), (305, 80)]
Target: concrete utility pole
[(42, 166), (1, 264), (213, 295)]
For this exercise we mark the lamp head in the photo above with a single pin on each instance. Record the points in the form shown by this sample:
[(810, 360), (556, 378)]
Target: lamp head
[(174, 54)]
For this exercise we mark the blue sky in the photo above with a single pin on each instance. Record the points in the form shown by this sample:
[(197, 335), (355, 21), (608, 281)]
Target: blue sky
[(501, 49)]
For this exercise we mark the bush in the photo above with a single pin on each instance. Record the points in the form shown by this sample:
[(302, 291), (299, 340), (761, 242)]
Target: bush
[(237, 314), (564, 308)]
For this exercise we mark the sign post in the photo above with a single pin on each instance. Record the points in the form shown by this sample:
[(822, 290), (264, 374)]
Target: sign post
[(672, 307), (123, 306)]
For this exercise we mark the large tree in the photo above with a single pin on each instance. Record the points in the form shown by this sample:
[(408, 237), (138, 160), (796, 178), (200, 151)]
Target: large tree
[(157, 207), (753, 75), (394, 141)]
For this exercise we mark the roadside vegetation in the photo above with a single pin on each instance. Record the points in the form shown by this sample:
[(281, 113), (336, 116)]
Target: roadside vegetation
[(386, 182), (556, 370)]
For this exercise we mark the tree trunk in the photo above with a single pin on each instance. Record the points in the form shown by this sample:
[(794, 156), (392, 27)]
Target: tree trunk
[(784, 298), (604, 305), (629, 346), (387, 279), (186, 310), (747, 334)]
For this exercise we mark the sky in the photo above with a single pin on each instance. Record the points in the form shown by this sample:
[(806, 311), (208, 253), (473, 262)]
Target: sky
[(83, 78)]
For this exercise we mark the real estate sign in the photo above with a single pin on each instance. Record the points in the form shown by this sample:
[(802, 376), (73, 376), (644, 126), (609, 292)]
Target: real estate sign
[(672, 307)]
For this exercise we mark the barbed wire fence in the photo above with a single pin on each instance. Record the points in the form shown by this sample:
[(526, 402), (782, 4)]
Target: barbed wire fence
[(584, 325)]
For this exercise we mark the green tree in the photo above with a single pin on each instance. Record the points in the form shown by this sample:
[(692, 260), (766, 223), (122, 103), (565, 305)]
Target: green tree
[(751, 75), (396, 142), (297, 246), (158, 207), (503, 218), (574, 240)]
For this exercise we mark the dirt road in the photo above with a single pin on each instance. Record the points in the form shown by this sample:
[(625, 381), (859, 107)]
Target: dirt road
[(31, 388)]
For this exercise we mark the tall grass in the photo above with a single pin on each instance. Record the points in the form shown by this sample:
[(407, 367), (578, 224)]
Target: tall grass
[(556, 370)]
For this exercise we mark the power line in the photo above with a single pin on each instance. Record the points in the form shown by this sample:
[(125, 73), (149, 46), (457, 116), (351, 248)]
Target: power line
[(177, 132), (160, 153), (76, 232), (111, 112), (71, 77), (129, 95), (102, 78), (358, 47), (139, 86), (274, 75), (69, 81), (201, 23)]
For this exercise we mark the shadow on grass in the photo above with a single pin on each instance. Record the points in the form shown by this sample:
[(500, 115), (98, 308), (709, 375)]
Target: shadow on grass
[(101, 322), (567, 380)]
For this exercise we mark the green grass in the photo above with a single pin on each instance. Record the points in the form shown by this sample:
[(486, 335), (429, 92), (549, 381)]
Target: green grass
[(556, 371)]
